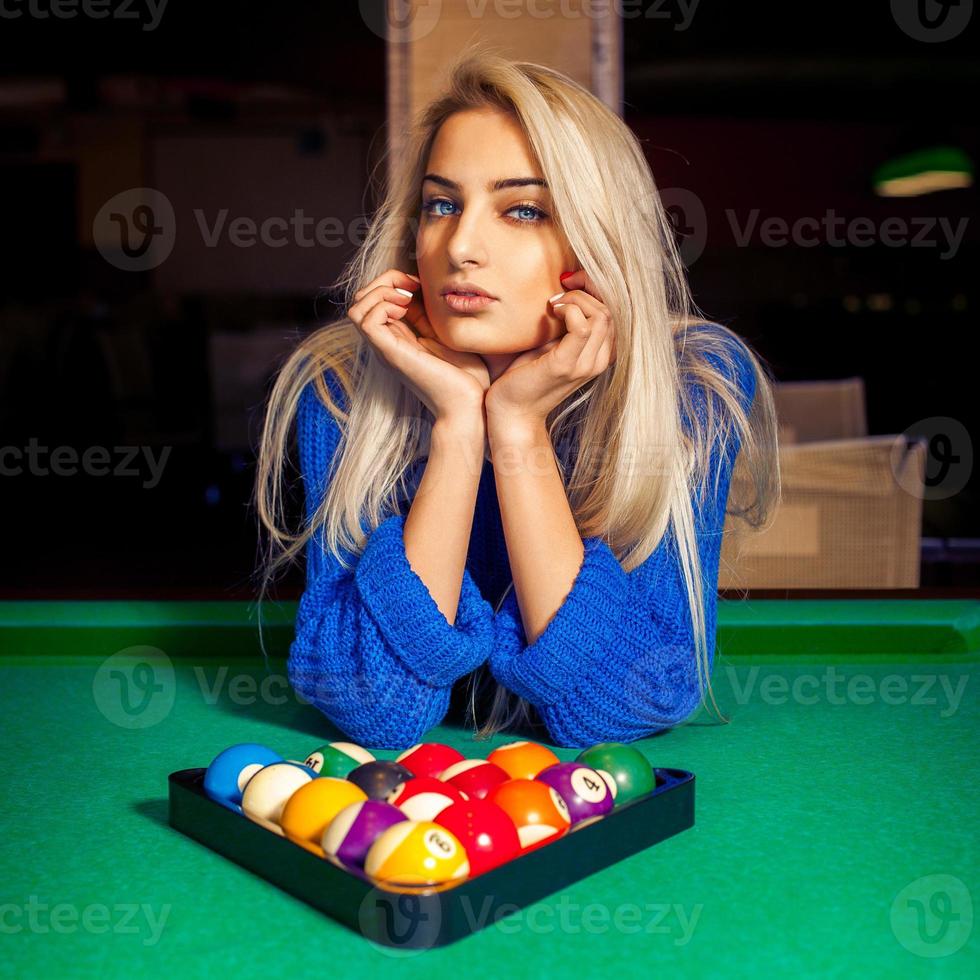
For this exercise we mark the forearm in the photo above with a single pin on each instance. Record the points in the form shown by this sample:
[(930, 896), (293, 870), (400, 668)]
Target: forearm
[(543, 543), (440, 520)]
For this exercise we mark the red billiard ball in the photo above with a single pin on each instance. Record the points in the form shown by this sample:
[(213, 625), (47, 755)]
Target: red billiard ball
[(485, 831), (424, 797), (475, 777), (429, 758), (537, 811)]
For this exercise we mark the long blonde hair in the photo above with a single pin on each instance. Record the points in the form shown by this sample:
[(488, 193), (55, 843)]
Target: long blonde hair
[(608, 206)]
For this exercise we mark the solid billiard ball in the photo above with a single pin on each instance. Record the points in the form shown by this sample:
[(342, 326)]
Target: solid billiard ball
[(268, 790), (523, 760), (475, 777), (485, 831), (379, 778), (352, 832), (584, 791), (429, 758), (627, 768), (424, 797), (308, 812), (417, 852), (230, 770), (337, 759), (537, 811)]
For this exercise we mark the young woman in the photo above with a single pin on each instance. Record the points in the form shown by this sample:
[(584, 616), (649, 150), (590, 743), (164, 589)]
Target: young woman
[(517, 446)]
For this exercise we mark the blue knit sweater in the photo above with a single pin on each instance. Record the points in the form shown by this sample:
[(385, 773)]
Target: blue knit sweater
[(375, 654)]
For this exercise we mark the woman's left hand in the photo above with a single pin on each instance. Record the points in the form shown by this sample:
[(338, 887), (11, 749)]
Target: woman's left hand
[(540, 379)]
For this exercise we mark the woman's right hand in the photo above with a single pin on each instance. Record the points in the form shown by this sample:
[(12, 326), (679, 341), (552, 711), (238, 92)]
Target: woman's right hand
[(451, 384)]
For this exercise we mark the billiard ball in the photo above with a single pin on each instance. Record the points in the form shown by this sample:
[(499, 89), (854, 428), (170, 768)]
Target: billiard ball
[(379, 778), (537, 811), (475, 777), (424, 797), (308, 812), (485, 831), (429, 758), (351, 833), (523, 760), (417, 852), (337, 759), (627, 767), (584, 791), (268, 790), (231, 769)]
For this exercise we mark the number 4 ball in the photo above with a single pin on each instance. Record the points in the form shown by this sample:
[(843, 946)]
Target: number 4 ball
[(584, 791), (627, 767)]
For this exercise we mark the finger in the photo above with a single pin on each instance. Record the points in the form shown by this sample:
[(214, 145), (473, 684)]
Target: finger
[(392, 278), (573, 343), (390, 294), (590, 305)]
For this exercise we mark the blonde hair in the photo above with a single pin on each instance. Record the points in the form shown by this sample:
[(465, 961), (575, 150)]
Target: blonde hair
[(606, 203)]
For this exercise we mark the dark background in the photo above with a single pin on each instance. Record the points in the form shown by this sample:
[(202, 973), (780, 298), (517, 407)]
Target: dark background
[(782, 110)]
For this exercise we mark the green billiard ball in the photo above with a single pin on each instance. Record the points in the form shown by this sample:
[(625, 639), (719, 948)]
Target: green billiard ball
[(337, 759), (624, 765)]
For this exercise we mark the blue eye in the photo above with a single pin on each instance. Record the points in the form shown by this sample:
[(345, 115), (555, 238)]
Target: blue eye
[(538, 214), (435, 201)]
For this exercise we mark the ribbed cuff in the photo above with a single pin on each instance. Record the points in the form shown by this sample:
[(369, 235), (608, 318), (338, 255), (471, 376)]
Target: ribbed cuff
[(408, 617), (579, 636)]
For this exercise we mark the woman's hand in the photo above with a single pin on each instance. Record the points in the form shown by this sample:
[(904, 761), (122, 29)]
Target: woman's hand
[(540, 379), (451, 384)]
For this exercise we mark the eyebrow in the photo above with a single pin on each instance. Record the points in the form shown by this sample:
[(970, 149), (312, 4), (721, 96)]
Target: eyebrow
[(493, 186)]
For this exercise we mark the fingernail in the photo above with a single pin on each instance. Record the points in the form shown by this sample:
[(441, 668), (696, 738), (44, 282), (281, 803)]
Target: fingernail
[(551, 299), (565, 275), (556, 305), (404, 292)]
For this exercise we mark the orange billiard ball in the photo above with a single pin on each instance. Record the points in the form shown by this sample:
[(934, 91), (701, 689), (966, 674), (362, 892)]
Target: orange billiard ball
[(536, 810), (523, 760)]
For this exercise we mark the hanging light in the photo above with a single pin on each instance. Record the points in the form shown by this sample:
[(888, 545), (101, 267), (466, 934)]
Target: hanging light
[(938, 168)]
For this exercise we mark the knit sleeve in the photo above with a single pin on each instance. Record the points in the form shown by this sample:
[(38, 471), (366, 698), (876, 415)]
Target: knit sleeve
[(372, 650), (617, 660)]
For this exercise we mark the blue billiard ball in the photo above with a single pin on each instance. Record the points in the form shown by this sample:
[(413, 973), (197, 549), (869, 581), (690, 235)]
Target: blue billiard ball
[(231, 769)]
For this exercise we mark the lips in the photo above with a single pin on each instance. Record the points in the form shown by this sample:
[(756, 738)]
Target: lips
[(465, 289)]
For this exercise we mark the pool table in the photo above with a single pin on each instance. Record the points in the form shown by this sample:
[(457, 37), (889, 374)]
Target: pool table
[(835, 826)]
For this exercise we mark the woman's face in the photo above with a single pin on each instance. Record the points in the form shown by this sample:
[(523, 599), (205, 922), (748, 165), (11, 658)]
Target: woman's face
[(501, 240)]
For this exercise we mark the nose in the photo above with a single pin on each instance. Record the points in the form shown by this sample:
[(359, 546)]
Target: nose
[(466, 244)]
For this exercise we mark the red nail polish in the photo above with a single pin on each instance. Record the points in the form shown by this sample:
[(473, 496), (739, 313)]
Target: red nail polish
[(565, 275)]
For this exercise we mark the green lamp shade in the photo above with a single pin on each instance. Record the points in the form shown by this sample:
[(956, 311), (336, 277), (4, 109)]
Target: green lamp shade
[(937, 169)]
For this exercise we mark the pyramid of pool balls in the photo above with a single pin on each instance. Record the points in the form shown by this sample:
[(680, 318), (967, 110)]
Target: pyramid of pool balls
[(432, 815)]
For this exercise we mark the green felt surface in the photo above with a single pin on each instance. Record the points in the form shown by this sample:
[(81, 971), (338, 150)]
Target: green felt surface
[(838, 805)]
